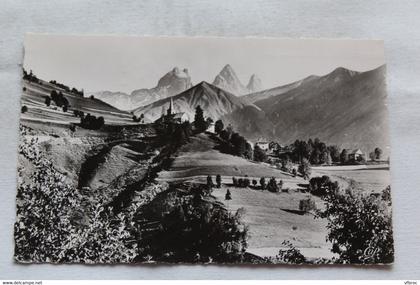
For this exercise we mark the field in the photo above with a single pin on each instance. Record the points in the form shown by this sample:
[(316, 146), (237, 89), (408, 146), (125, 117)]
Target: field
[(267, 214), (373, 178), (270, 223)]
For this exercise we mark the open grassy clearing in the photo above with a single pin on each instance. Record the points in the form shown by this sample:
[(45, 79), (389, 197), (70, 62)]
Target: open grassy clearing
[(370, 179), (269, 223)]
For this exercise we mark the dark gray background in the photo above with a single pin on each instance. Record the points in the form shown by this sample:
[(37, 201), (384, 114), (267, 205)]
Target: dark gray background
[(396, 22)]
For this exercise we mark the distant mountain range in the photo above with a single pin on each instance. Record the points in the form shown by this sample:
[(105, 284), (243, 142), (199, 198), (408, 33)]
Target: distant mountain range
[(344, 107), (172, 83), (175, 82)]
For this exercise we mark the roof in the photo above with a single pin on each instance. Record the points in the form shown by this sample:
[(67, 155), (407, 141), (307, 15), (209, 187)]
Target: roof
[(178, 115), (353, 151)]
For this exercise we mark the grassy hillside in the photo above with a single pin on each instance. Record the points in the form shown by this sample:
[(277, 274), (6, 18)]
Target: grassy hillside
[(34, 95), (266, 214), (199, 158)]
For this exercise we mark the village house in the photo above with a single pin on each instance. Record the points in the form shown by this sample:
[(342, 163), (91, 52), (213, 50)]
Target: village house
[(355, 155), (262, 144)]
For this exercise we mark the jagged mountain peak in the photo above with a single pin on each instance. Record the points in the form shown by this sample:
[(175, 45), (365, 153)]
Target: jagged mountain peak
[(229, 81), (254, 84), (175, 76)]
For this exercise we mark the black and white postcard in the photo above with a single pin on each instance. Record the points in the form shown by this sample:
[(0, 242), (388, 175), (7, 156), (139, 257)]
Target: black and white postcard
[(203, 150)]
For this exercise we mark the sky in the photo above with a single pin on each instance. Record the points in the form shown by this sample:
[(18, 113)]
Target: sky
[(126, 63)]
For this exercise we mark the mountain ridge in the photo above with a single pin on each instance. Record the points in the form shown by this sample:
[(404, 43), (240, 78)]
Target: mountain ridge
[(172, 83), (344, 107)]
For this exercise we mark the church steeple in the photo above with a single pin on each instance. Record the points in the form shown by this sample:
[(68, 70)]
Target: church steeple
[(170, 107)]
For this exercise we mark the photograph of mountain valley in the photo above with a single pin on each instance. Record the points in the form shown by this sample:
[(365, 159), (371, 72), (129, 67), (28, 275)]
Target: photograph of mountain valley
[(203, 150)]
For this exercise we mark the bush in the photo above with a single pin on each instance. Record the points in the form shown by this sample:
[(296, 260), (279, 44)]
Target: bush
[(210, 183), (24, 109), (272, 185), (262, 183), (234, 181), (228, 195), (218, 181), (91, 122), (360, 226), (307, 205), (321, 186), (291, 255), (59, 99), (48, 101)]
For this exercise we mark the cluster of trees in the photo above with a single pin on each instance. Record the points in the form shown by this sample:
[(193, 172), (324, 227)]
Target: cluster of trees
[(271, 185), (376, 154), (235, 144), (58, 98), (138, 119), (91, 122), (193, 229), (79, 114), (66, 88), (322, 186), (30, 76), (315, 151)]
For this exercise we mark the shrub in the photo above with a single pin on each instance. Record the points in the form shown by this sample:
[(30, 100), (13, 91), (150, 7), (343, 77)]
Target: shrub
[(218, 126), (24, 109), (321, 186), (360, 226), (228, 195), (210, 183), (262, 183), (272, 185), (48, 101), (307, 205), (91, 122), (218, 181), (291, 255), (254, 182), (234, 181)]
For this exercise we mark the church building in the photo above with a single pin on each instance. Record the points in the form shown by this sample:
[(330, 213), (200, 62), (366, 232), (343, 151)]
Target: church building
[(171, 116)]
